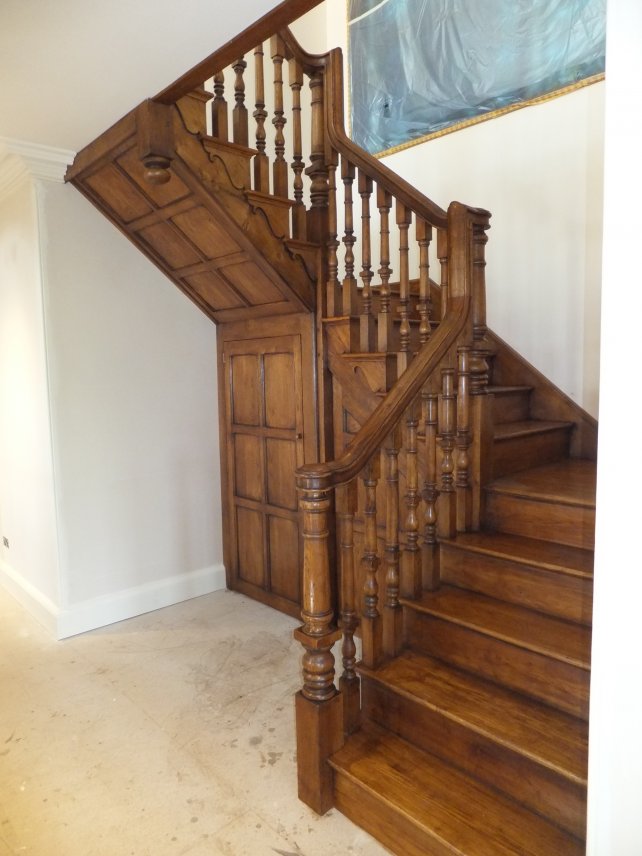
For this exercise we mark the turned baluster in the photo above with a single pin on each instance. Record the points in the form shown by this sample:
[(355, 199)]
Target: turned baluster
[(349, 289), (279, 167), (261, 161), (333, 288), (404, 219), (442, 254), (411, 558), (319, 713), (424, 237), (366, 322), (392, 616), (463, 440), (446, 515), (346, 503), (317, 215), (219, 109), (298, 210), (371, 629), (239, 114), (430, 555), (384, 322)]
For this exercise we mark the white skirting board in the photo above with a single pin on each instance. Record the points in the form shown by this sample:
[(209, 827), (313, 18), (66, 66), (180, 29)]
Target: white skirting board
[(63, 622)]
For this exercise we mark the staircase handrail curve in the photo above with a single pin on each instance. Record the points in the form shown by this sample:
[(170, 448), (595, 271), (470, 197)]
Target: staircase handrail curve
[(332, 64), (386, 416)]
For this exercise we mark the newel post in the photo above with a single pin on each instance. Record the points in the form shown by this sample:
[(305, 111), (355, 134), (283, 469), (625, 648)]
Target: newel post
[(480, 403), (319, 713)]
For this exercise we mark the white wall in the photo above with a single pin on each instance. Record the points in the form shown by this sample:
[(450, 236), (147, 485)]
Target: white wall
[(109, 464), (615, 753), (539, 172), (29, 567), (133, 394)]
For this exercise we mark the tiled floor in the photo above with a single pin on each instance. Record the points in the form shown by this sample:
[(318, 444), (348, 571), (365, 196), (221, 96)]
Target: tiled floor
[(165, 735)]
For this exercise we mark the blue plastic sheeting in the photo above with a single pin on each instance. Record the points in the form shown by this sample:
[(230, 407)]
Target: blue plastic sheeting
[(420, 66)]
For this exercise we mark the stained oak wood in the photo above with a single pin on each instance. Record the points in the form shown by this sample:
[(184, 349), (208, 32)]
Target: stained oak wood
[(417, 804), (529, 443), (554, 503), (529, 751), (538, 655), (550, 578), (268, 429)]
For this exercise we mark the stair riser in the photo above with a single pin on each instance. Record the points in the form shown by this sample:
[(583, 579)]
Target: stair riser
[(521, 453), (554, 593), (388, 824), (564, 524), (547, 792), (511, 406), (557, 683)]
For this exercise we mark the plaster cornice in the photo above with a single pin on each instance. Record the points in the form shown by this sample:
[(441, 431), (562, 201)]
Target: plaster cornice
[(44, 162)]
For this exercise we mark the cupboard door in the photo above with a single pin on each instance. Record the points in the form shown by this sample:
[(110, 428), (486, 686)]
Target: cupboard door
[(264, 423)]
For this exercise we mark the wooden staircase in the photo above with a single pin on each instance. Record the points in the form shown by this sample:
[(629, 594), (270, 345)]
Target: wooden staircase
[(446, 489)]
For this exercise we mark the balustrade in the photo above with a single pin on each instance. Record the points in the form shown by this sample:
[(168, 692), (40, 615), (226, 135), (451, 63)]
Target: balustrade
[(415, 462)]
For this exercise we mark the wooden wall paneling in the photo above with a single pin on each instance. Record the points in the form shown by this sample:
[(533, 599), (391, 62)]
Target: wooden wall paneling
[(268, 428)]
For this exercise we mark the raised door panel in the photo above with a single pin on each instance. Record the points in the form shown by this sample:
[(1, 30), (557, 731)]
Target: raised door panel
[(264, 443)]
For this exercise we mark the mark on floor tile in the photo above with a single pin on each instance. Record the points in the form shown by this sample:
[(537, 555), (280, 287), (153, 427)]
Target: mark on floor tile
[(254, 741), (273, 757)]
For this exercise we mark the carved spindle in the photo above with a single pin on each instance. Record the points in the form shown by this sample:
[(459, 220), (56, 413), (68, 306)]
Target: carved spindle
[(261, 161), (349, 289), (392, 617), (318, 213), (442, 254), (279, 167), (366, 325), (333, 288), (219, 109), (411, 558), (239, 114), (430, 554), (446, 517), (463, 440), (424, 237), (318, 705), (298, 210), (371, 629), (349, 682), (404, 219), (384, 322)]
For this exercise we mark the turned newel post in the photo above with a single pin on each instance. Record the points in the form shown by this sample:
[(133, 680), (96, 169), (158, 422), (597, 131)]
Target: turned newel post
[(480, 404), (318, 705)]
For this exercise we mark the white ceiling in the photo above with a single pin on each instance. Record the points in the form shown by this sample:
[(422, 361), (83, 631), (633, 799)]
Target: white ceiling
[(71, 68)]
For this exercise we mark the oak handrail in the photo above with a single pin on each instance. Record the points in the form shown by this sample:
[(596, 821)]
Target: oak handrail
[(382, 420)]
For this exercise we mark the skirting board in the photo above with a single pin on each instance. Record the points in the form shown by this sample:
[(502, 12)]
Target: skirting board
[(108, 609)]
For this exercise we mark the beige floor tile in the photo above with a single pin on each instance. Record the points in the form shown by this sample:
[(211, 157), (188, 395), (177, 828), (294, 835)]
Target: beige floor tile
[(169, 734)]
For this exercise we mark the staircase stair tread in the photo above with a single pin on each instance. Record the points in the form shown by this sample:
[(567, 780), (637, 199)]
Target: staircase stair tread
[(553, 637), (527, 427), (547, 555), (460, 813), (548, 736), (569, 482)]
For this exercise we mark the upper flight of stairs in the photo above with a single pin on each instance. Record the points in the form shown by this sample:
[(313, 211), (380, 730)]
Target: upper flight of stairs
[(474, 740)]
